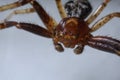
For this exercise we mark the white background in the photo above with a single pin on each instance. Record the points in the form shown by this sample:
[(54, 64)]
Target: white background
[(25, 56)]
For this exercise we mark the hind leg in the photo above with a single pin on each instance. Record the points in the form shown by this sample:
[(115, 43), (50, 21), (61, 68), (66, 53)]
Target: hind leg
[(104, 20), (16, 12), (97, 12)]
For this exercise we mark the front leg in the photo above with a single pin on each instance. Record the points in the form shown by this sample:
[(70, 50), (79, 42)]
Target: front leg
[(105, 43), (28, 27)]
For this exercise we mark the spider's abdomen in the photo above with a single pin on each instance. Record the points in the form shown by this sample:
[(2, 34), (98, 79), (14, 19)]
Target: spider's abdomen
[(71, 31), (78, 8)]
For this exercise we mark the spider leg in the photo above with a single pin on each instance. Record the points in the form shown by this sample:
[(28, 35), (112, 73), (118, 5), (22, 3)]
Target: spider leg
[(97, 12), (16, 12), (9, 6), (47, 20), (14, 5), (103, 21), (61, 8), (105, 43), (28, 27)]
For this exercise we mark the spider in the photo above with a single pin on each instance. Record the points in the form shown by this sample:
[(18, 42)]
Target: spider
[(70, 32)]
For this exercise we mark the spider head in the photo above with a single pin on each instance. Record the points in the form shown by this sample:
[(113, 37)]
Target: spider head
[(71, 31)]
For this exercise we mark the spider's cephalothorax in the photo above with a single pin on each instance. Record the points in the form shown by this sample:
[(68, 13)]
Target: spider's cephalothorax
[(72, 31)]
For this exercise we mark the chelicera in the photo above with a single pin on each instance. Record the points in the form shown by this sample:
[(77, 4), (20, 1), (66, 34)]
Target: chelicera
[(72, 31)]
